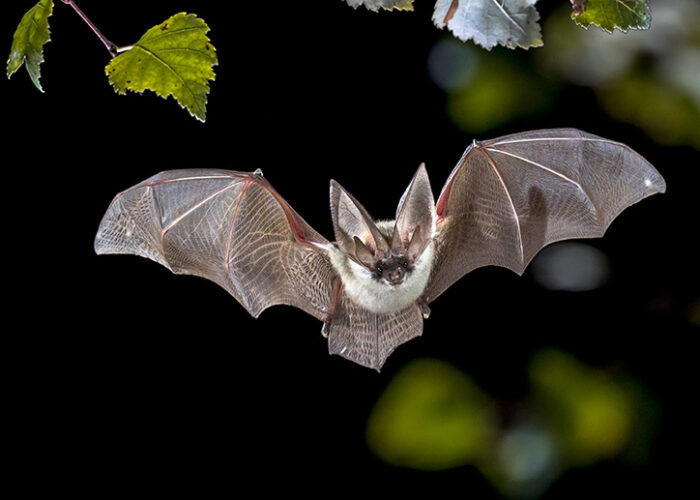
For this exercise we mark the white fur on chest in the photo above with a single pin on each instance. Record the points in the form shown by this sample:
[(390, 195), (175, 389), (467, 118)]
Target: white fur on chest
[(377, 295)]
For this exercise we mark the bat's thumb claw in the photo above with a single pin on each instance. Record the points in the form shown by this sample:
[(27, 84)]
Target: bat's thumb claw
[(424, 308), (324, 330)]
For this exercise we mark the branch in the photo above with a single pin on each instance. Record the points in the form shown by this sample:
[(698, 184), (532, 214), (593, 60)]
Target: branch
[(111, 47)]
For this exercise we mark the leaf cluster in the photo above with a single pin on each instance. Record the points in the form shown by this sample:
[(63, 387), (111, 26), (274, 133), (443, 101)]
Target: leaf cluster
[(174, 58), (515, 23)]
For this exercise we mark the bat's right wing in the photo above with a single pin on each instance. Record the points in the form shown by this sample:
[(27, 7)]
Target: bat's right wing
[(509, 197), (230, 227)]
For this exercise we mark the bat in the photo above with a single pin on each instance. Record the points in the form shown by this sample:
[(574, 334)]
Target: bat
[(504, 201)]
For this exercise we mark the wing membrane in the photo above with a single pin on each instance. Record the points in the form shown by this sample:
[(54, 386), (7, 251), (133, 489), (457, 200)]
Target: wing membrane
[(509, 197), (229, 227)]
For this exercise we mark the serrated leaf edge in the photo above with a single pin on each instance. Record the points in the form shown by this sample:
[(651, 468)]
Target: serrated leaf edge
[(574, 17)]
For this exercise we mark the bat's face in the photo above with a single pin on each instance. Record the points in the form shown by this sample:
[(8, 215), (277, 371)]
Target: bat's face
[(393, 270), (389, 250)]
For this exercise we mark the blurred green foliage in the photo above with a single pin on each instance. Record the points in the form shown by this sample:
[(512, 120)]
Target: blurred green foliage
[(590, 411), (500, 90), (433, 416), (669, 116), (646, 78)]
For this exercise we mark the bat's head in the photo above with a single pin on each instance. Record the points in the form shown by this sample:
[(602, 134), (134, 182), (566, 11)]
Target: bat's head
[(390, 250)]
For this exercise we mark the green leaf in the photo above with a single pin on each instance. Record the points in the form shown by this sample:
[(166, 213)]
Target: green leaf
[(375, 5), (173, 58), (610, 14), (28, 41), (511, 23)]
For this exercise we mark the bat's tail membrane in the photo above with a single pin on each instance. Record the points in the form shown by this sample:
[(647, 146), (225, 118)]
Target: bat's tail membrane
[(369, 338)]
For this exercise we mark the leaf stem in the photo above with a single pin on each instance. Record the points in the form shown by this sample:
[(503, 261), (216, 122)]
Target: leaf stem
[(111, 47)]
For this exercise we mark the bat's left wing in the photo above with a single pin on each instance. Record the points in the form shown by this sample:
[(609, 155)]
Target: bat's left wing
[(509, 197), (230, 227)]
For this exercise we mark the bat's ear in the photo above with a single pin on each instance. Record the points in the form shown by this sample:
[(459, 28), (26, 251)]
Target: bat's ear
[(350, 220), (363, 254), (415, 216)]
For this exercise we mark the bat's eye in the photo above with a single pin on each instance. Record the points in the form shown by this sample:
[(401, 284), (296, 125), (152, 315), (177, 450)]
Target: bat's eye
[(404, 263), (379, 269)]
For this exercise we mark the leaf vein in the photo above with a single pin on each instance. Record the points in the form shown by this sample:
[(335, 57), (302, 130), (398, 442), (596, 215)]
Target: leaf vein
[(168, 66)]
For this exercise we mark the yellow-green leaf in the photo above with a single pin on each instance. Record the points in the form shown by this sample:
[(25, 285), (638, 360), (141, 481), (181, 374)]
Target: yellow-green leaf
[(28, 41), (173, 58), (610, 14)]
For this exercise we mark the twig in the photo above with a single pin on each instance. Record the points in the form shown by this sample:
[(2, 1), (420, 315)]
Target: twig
[(111, 47)]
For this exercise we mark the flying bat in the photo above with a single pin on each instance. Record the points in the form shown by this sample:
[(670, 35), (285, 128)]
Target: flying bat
[(505, 200)]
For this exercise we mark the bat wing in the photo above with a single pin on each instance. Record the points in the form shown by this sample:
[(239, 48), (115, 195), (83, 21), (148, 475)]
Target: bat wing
[(509, 197), (230, 227)]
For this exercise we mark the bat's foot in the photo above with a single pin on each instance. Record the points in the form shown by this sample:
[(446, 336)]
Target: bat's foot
[(325, 329), (424, 309)]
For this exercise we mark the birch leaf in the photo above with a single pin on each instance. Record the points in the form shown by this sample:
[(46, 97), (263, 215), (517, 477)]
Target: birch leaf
[(511, 23), (610, 14), (173, 58), (375, 5), (28, 41)]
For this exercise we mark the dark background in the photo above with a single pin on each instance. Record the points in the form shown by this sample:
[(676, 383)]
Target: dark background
[(120, 376)]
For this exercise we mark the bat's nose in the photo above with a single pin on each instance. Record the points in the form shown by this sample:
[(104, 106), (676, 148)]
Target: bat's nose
[(395, 277)]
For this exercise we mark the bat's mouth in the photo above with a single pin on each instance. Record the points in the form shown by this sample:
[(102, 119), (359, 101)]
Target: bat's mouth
[(395, 276), (395, 281)]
